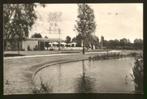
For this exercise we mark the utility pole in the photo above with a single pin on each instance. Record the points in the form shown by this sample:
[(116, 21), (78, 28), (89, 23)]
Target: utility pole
[(55, 19)]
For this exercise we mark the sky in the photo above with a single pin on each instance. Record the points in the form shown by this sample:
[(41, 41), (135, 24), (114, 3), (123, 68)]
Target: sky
[(113, 21)]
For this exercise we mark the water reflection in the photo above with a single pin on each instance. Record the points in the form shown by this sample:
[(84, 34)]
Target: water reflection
[(87, 77), (84, 82), (59, 76)]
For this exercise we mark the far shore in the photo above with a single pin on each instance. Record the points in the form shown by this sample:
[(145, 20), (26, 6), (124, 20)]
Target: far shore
[(18, 72)]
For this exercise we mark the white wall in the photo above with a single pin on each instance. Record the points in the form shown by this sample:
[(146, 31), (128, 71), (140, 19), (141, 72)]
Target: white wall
[(32, 44)]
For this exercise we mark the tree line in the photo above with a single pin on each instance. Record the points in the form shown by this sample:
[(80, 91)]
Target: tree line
[(123, 43)]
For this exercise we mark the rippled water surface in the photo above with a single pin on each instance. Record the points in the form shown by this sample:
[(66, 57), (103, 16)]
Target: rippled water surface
[(100, 76)]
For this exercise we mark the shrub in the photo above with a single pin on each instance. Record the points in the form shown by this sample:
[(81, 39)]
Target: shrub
[(138, 74)]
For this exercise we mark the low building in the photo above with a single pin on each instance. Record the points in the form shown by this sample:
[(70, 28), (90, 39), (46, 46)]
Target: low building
[(31, 44), (39, 43)]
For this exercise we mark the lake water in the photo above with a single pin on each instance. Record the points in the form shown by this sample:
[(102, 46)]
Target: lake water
[(99, 76)]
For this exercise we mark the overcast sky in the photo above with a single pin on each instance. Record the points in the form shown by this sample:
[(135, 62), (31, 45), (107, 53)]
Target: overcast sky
[(114, 21)]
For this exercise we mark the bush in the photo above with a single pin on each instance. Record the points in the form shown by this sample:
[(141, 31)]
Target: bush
[(138, 74)]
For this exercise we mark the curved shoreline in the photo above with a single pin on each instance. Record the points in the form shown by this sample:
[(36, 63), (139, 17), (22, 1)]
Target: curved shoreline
[(103, 56), (50, 64), (23, 70), (43, 88)]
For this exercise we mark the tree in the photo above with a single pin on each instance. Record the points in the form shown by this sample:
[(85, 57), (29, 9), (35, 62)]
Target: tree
[(113, 44), (116, 44), (78, 40), (41, 44), (36, 35), (85, 23), (124, 43), (46, 43), (74, 39), (18, 20), (68, 39), (138, 44), (94, 41)]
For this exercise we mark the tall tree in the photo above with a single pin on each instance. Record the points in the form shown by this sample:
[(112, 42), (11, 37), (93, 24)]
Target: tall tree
[(85, 23), (18, 20)]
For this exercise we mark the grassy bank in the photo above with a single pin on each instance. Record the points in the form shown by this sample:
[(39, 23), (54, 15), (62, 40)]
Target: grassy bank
[(113, 56)]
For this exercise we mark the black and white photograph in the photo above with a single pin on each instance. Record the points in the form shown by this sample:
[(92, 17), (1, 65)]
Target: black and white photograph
[(72, 48)]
